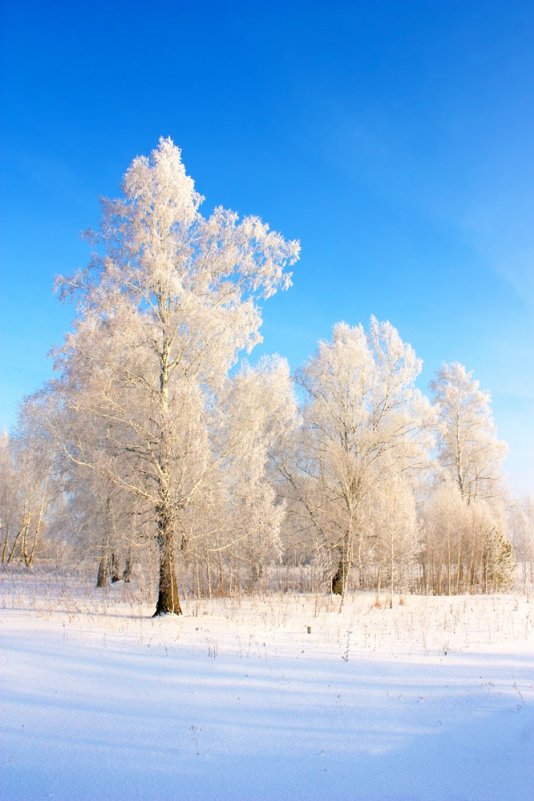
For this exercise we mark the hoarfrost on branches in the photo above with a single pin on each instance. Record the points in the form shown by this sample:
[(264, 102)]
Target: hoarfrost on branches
[(164, 308)]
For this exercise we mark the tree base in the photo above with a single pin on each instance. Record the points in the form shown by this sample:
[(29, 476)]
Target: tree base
[(339, 580), (162, 613)]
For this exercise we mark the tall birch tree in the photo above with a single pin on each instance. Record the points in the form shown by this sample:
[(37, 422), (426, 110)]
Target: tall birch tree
[(165, 306)]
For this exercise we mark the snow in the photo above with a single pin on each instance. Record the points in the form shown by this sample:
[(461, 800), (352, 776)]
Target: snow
[(431, 700)]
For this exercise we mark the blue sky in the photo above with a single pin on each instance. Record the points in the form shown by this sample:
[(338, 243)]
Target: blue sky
[(394, 139)]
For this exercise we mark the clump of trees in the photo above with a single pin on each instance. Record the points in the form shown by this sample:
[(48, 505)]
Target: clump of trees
[(27, 487), (157, 439)]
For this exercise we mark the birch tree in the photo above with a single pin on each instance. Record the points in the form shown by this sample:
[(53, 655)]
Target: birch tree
[(262, 408), (394, 530), (362, 414), (232, 530), (9, 497), (27, 484), (469, 452), (165, 306), (466, 518)]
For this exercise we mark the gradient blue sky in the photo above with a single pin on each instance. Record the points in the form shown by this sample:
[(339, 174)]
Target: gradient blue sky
[(394, 139)]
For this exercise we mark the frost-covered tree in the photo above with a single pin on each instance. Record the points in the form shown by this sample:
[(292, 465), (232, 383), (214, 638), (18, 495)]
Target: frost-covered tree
[(232, 530), (362, 418), (468, 449), (27, 473), (261, 410), (9, 502), (466, 545), (394, 532), (520, 515), (164, 308), (104, 524), (465, 549)]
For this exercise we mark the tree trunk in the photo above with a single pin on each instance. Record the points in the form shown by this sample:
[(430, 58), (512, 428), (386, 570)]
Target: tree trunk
[(6, 543), (127, 574), (339, 580), (168, 601), (115, 575), (103, 571), (24, 525), (29, 559), (105, 561), (256, 573), (105, 564)]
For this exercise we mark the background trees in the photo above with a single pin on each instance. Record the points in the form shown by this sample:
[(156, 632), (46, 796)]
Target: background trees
[(394, 533), (233, 528), (520, 517), (465, 546), (27, 476), (261, 410)]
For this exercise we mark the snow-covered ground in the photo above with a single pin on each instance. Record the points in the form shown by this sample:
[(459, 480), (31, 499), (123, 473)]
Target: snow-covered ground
[(430, 700)]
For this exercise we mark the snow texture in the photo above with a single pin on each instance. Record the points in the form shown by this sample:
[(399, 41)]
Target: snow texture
[(432, 700)]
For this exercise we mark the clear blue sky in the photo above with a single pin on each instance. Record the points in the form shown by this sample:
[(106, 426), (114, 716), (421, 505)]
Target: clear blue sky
[(394, 139)]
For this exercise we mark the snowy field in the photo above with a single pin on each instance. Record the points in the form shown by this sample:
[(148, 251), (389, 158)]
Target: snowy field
[(432, 700)]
